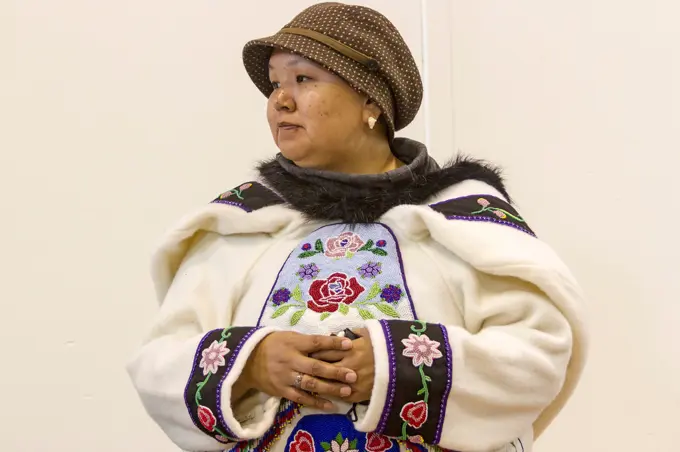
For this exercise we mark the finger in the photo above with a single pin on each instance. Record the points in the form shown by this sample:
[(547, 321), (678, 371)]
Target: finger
[(330, 356), (305, 398), (324, 388), (315, 343), (328, 371)]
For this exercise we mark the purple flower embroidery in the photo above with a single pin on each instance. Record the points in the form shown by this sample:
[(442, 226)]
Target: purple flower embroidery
[(213, 357), (307, 247), (421, 349), (370, 270), (391, 293), (281, 296), (308, 271), (381, 243)]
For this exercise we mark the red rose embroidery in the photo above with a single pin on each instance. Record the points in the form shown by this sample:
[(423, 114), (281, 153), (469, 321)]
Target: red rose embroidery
[(414, 414), (377, 443), (302, 442), (207, 418), (327, 294)]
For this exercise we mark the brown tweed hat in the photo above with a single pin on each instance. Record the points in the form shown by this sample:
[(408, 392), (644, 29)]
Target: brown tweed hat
[(356, 43)]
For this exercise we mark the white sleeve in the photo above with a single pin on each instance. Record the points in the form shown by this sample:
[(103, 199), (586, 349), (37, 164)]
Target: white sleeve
[(185, 371), (473, 388)]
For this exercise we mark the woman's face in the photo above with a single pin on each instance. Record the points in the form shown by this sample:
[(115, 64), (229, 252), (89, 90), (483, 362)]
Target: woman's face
[(315, 117)]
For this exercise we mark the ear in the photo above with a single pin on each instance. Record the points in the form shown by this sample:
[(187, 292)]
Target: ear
[(371, 109)]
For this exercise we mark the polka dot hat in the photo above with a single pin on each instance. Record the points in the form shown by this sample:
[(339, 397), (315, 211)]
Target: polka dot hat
[(356, 43)]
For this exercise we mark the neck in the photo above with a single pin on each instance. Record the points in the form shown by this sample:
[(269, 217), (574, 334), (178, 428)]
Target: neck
[(371, 156)]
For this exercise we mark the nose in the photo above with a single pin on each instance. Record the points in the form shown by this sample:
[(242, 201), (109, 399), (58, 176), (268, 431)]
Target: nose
[(284, 101)]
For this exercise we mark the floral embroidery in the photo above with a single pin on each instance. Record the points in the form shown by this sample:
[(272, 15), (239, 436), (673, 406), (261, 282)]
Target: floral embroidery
[(340, 445), (318, 280), (500, 213), (344, 245), (308, 271), (422, 349), (302, 442), (281, 296), (222, 439), (327, 294), (369, 246), (213, 357), (309, 252), (370, 270), (378, 443), (207, 418), (417, 439), (391, 293), (236, 191), (414, 413)]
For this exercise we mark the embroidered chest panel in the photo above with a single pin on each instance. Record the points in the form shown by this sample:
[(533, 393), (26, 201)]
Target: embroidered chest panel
[(338, 277)]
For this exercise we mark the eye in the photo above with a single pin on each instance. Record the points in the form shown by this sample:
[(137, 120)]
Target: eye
[(302, 78), (275, 85)]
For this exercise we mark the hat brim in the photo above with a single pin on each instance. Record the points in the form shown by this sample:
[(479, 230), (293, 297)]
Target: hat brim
[(257, 52)]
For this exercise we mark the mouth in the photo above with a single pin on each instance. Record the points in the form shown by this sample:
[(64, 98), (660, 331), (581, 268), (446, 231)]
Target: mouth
[(287, 126)]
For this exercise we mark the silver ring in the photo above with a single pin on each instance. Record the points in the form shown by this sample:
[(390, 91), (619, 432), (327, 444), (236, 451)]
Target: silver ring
[(298, 381)]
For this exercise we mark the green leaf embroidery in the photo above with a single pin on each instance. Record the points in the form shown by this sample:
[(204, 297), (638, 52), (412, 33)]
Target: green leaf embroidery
[(282, 310), (427, 378), (367, 246), (307, 254), (325, 315), (366, 315), (379, 252), (318, 246), (297, 294), (326, 446), (295, 318), (343, 308), (387, 310), (375, 290), (421, 392), (349, 255), (353, 444), (338, 438)]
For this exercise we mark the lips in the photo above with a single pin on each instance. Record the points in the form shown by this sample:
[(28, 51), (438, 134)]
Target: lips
[(287, 126)]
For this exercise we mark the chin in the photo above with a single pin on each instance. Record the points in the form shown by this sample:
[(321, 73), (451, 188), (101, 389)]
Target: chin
[(299, 156)]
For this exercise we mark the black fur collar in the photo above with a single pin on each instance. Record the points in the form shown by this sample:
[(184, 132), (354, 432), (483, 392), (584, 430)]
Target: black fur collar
[(332, 200)]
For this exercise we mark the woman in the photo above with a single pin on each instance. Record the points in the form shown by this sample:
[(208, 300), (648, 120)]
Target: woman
[(356, 296)]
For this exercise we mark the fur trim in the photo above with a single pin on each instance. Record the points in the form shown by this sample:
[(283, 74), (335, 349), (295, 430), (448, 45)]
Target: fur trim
[(330, 200)]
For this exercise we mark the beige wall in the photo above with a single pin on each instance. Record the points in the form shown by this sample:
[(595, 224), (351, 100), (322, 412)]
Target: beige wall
[(118, 117)]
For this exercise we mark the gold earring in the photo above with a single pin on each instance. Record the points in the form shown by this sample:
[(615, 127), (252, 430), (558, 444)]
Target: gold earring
[(371, 122)]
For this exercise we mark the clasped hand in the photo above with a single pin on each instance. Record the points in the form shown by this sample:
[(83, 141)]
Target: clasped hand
[(329, 366)]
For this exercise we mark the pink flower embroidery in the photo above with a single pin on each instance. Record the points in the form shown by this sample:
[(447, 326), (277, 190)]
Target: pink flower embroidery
[(213, 357), (377, 443), (483, 202), (344, 447), (500, 214), (222, 439), (302, 442), (207, 418), (422, 349), (416, 439), (347, 242), (414, 413), (245, 187)]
